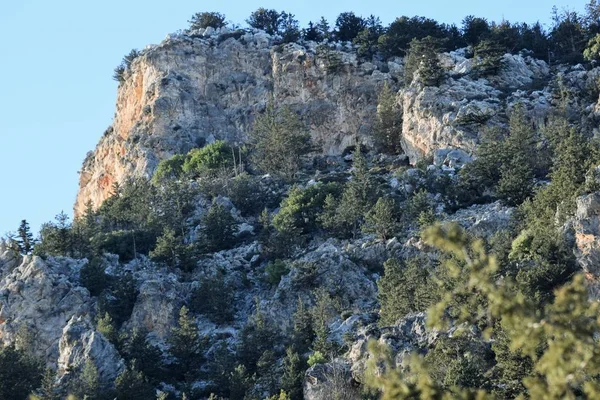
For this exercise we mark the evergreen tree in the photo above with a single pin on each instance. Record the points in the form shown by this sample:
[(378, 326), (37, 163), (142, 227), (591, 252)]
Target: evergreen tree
[(518, 169), (20, 373), (203, 20), (25, 239), (279, 140), (257, 336), (388, 127), (186, 346), (345, 217), (239, 383), (87, 385), (488, 56), (131, 384), (293, 375), (303, 333), (382, 219), (348, 26), (147, 357), (48, 387), (107, 328), (93, 276), (403, 289), (214, 298), (422, 59), (218, 228)]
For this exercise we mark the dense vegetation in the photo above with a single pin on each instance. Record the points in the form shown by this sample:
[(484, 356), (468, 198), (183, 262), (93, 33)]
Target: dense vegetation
[(518, 307)]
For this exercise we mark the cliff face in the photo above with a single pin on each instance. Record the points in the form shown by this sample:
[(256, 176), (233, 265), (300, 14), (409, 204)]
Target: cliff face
[(199, 87), (196, 88)]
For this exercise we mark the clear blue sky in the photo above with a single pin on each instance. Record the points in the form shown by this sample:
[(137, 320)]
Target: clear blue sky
[(57, 58)]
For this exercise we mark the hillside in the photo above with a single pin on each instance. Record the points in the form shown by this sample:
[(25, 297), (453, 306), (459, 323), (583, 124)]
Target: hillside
[(371, 212)]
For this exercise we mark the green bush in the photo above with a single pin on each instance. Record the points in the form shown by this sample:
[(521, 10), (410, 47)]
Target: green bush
[(171, 168), (209, 159), (275, 270)]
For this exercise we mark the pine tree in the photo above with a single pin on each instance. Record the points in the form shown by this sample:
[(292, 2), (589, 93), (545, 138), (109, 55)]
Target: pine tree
[(303, 333), (93, 276), (293, 375), (345, 217), (87, 385), (25, 239), (388, 127), (48, 387), (131, 384), (239, 383), (403, 289), (186, 346), (488, 56), (148, 357), (107, 328), (279, 140), (382, 219), (422, 59), (218, 228)]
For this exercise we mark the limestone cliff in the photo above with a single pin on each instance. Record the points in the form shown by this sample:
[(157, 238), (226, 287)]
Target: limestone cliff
[(198, 87)]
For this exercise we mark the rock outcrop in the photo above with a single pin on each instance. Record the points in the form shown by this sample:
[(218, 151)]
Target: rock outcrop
[(195, 88), (37, 299), (79, 344), (452, 114), (586, 227)]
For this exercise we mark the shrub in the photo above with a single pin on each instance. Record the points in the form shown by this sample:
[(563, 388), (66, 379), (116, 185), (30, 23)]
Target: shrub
[(316, 358), (171, 168), (275, 270), (208, 159), (203, 20)]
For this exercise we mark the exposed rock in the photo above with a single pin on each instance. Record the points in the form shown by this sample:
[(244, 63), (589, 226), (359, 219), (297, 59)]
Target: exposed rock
[(483, 220), (449, 116), (586, 226), (80, 343), (189, 90), (330, 381), (41, 297)]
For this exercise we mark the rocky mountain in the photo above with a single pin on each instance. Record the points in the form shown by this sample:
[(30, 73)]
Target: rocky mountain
[(142, 264)]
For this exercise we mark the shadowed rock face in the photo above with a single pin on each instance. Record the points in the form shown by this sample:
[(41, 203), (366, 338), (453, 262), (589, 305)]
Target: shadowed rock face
[(193, 89)]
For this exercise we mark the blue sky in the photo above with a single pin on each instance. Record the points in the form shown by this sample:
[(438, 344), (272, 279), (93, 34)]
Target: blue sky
[(56, 63)]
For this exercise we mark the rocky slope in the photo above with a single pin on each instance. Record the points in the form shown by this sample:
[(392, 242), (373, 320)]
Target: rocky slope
[(206, 85)]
